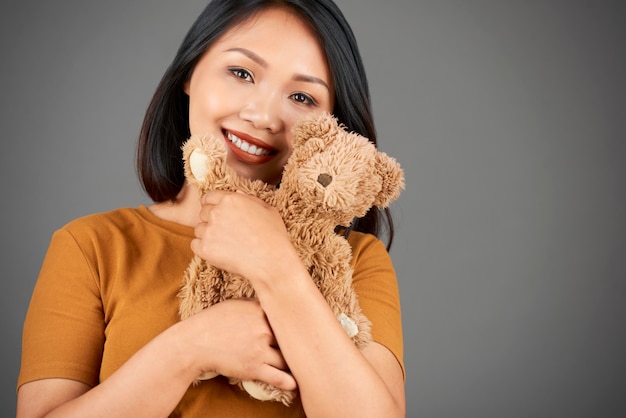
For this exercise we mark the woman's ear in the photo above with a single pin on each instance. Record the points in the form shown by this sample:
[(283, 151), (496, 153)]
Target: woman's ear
[(186, 86)]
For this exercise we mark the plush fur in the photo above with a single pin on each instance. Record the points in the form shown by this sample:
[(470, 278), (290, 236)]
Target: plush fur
[(331, 177)]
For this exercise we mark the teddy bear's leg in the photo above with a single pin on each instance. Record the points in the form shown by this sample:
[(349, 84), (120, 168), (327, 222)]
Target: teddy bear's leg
[(256, 390), (207, 375), (265, 392)]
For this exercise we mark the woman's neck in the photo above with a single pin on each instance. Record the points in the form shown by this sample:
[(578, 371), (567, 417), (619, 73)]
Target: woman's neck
[(184, 210)]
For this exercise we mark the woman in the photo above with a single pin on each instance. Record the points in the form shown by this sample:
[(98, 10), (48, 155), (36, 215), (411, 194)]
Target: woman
[(102, 336)]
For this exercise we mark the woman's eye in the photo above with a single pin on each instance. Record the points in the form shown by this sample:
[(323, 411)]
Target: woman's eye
[(241, 73), (303, 98)]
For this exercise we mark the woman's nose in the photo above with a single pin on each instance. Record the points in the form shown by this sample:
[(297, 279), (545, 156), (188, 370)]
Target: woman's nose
[(263, 111)]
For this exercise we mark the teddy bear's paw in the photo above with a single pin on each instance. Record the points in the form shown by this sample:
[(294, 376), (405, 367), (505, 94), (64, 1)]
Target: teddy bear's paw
[(348, 325), (257, 391), (207, 375), (198, 164), (265, 392)]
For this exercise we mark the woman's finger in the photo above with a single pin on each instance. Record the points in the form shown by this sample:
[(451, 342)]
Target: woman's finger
[(278, 378), (212, 197), (276, 359), (200, 229)]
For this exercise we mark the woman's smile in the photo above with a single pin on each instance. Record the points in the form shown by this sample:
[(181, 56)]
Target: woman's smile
[(248, 149)]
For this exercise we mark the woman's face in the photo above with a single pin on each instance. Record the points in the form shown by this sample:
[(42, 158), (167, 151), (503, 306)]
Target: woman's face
[(253, 84)]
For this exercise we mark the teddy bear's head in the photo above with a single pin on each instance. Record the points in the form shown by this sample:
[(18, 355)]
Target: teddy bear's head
[(338, 173)]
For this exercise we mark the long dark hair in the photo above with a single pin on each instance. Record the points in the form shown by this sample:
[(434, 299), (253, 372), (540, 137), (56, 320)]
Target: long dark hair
[(166, 123)]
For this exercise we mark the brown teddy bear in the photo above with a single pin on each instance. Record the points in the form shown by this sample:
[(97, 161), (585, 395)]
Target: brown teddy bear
[(331, 177)]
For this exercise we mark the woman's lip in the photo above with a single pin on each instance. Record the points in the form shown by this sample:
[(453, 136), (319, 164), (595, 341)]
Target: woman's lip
[(244, 156), (251, 140)]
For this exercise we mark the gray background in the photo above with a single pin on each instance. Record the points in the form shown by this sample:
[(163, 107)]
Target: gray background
[(508, 117)]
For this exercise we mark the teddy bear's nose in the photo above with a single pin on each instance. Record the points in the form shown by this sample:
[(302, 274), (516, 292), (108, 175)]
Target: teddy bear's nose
[(324, 179)]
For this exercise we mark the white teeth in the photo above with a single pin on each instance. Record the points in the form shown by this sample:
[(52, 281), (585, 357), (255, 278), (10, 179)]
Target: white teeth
[(246, 146)]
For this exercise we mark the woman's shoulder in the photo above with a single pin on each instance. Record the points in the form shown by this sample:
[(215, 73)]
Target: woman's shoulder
[(116, 218), (362, 241), (368, 250), (128, 221)]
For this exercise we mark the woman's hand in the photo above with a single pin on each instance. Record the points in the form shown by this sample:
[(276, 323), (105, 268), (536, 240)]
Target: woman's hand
[(234, 339), (241, 234)]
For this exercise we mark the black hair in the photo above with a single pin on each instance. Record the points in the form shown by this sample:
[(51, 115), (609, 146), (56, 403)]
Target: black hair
[(166, 123)]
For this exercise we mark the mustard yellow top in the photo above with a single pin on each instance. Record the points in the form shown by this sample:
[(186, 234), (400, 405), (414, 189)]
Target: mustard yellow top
[(108, 285)]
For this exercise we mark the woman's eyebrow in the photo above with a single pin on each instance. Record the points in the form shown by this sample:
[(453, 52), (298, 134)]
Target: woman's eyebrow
[(310, 79), (297, 77), (254, 57)]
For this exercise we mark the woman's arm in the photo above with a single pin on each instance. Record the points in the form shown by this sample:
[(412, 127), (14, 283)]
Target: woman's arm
[(334, 377), (160, 367), (232, 338)]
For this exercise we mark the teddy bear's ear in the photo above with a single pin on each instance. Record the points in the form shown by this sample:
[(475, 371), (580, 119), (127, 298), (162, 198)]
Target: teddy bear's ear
[(323, 126), (392, 179)]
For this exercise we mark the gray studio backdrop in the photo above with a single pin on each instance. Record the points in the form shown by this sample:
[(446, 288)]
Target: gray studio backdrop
[(508, 117)]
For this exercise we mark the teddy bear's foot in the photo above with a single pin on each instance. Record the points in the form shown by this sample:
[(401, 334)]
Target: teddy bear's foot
[(348, 325), (265, 392), (207, 375)]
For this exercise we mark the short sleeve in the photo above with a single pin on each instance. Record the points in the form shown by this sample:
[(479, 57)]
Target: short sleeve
[(376, 285), (63, 333)]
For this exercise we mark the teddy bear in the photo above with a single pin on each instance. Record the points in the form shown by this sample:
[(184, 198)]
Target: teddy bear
[(332, 177)]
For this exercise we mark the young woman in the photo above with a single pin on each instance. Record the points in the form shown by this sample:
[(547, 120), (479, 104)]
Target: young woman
[(102, 336)]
